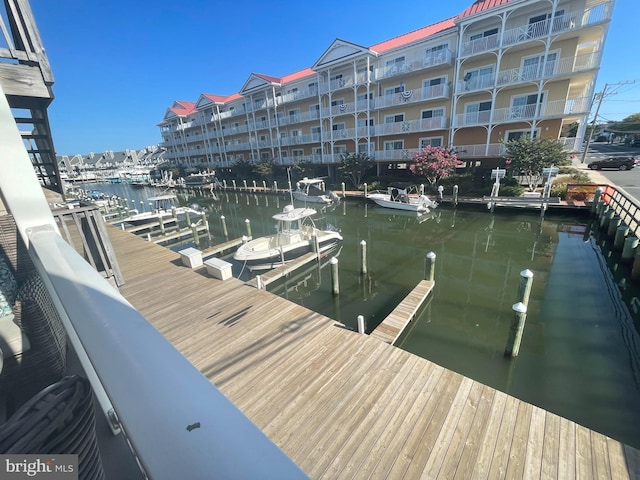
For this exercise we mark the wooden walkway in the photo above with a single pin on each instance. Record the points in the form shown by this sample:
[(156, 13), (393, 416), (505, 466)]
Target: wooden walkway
[(391, 327), (344, 405)]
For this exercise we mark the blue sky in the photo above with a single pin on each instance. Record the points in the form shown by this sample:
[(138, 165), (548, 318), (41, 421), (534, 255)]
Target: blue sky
[(119, 65)]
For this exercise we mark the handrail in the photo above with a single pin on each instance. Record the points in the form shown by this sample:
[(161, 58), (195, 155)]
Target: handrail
[(625, 206), (178, 423)]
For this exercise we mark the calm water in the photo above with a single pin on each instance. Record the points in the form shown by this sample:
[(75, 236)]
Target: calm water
[(579, 356)]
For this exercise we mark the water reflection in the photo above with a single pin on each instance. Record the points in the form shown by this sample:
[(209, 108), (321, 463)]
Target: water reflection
[(580, 352)]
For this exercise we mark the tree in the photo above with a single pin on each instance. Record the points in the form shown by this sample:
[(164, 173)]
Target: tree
[(434, 163), (630, 124), (354, 167), (527, 156), (264, 169)]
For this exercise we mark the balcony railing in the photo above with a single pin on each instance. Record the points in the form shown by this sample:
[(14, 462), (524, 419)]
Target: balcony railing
[(563, 66), (308, 116), (295, 96), (527, 32), (480, 150), (411, 126), (300, 139), (405, 154), (556, 108), (415, 63), (342, 109), (481, 82), (411, 96), (345, 81)]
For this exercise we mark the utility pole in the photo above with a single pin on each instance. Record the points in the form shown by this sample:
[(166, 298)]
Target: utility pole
[(593, 123), (616, 88)]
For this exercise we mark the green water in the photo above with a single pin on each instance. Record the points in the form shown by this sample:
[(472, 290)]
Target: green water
[(580, 355)]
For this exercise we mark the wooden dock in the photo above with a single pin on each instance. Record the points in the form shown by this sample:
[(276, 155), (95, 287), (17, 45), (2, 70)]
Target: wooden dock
[(283, 270), (221, 247), (345, 405), (392, 327)]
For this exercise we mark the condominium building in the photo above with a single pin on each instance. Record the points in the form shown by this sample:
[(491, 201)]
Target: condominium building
[(498, 70)]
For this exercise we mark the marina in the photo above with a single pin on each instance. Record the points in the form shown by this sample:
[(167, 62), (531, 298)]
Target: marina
[(465, 322), (333, 399)]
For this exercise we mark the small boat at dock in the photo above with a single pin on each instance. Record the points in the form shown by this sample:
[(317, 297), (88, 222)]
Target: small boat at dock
[(294, 237), (162, 206), (403, 196), (311, 190)]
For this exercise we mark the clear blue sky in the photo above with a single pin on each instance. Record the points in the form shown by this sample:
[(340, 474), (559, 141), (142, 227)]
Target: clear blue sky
[(118, 65)]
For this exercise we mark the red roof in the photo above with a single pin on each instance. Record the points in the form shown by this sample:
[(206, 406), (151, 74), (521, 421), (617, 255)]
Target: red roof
[(481, 6), (268, 78), (182, 108), (307, 72), (416, 35)]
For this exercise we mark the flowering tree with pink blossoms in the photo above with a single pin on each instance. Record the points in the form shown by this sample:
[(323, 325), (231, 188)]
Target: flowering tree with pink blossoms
[(434, 163)]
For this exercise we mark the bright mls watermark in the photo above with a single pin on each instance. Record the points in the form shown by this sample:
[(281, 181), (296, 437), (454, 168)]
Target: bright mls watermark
[(50, 467)]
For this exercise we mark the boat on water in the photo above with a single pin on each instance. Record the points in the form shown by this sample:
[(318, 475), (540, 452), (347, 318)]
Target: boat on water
[(403, 196), (162, 206), (311, 190), (293, 238)]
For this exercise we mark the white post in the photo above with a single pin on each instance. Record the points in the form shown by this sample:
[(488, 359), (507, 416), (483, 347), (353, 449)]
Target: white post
[(363, 257), (361, 327), (335, 283)]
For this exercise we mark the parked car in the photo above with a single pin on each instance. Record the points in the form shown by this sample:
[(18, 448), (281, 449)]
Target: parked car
[(619, 163)]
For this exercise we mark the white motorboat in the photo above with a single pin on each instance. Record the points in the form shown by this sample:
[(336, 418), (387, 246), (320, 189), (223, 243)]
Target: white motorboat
[(403, 197), (293, 238), (311, 190), (162, 206)]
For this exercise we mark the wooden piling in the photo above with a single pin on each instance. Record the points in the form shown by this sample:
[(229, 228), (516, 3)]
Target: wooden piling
[(343, 190), (194, 232), (335, 282), (596, 199), (629, 249), (614, 223), (361, 326), (248, 224), (161, 223), (363, 257), (524, 289), (517, 327), (604, 217), (455, 194), (621, 234), (430, 266)]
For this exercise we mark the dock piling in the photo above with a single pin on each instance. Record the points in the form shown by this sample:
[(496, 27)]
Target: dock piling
[(361, 325), (363, 257), (517, 327), (194, 231), (596, 199), (335, 282), (343, 195), (430, 266), (621, 233), (161, 223), (455, 195), (248, 224), (629, 248), (614, 223), (225, 232), (524, 290)]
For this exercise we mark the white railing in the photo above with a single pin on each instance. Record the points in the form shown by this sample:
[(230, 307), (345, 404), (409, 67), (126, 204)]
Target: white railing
[(126, 358), (404, 154), (556, 108), (548, 69), (308, 116), (409, 126), (300, 139), (571, 144), (337, 83), (341, 109), (415, 62), (479, 150), (298, 95), (411, 96), (526, 32), (476, 83)]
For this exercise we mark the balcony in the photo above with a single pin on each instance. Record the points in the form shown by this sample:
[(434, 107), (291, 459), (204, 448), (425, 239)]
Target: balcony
[(411, 126), (308, 116), (335, 110), (479, 150), (295, 96), (481, 82), (526, 32), (415, 63), (346, 81), (300, 139), (412, 96), (556, 108), (406, 154), (558, 68)]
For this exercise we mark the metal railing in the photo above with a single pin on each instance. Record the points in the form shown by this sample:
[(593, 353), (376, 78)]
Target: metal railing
[(625, 206), (125, 357)]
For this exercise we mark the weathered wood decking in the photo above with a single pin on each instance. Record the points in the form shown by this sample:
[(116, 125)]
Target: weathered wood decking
[(391, 327), (344, 405)]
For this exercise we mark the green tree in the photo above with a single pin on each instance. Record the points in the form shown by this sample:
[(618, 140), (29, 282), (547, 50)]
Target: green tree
[(303, 168), (264, 169), (242, 169), (630, 124), (354, 167), (434, 163), (527, 156)]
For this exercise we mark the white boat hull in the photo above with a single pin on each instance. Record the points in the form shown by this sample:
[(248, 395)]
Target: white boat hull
[(413, 204)]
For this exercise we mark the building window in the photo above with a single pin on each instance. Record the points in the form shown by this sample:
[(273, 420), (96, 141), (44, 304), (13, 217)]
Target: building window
[(524, 106), (265, 156), (478, 78), (431, 141), (433, 113), (391, 91), (337, 126), (339, 101), (394, 118), (516, 134), (535, 67), (478, 112), (394, 145), (297, 153), (340, 149), (367, 148), (363, 122), (486, 33)]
